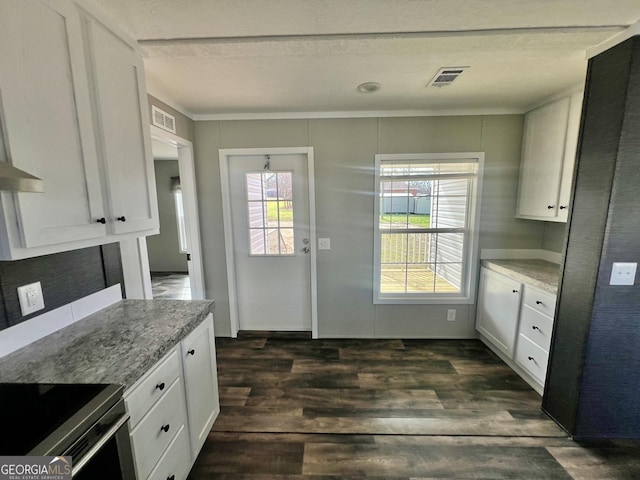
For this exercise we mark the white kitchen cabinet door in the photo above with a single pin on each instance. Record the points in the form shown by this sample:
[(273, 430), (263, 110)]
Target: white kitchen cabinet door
[(46, 118), (571, 146), (201, 383), (121, 105), (498, 310), (543, 151)]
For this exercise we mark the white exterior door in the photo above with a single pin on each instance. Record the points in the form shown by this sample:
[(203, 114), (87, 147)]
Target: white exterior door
[(271, 241)]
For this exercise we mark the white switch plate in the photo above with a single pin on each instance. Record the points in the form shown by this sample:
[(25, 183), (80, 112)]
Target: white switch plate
[(324, 244), (623, 273), (451, 315), (31, 299)]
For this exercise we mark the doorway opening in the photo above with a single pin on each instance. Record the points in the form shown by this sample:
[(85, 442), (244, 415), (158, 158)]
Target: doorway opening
[(175, 259)]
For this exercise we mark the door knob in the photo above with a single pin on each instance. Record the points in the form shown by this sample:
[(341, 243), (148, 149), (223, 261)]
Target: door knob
[(306, 250)]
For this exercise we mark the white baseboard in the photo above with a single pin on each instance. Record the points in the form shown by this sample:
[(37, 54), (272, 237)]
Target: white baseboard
[(24, 333)]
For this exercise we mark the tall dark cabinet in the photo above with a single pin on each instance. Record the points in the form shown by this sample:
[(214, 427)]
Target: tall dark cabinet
[(593, 380)]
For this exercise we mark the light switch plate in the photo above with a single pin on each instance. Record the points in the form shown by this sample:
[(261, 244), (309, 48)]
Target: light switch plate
[(623, 273), (31, 299), (324, 244)]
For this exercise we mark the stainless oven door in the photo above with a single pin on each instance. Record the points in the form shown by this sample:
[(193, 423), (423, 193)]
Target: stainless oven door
[(104, 452)]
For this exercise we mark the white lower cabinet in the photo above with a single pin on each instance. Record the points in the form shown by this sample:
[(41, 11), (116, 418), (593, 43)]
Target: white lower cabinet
[(517, 328), (498, 307), (201, 384), (173, 407), (172, 465), (151, 437)]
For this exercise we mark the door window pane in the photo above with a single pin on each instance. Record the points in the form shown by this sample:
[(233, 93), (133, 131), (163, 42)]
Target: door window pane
[(270, 211)]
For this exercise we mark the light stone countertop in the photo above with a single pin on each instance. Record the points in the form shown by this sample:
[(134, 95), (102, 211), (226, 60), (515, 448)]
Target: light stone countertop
[(115, 345), (536, 273)]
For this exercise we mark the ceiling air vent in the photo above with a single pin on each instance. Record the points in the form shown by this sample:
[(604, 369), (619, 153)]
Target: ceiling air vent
[(162, 119), (446, 76)]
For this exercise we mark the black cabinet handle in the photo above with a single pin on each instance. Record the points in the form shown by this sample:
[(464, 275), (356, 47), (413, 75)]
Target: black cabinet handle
[(101, 220), (165, 428), (515, 291), (532, 359), (121, 219), (538, 302), (562, 207), (535, 328), (191, 352), (160, 386), (549, 207), (172, 477)]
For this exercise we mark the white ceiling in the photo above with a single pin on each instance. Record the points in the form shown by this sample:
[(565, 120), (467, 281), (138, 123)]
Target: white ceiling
[(265, 56)]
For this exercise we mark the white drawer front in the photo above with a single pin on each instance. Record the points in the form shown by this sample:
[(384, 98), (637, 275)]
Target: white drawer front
[(149, 438), (543, 302), (176, 461), (536, 327), (532, 358), (149, 389)]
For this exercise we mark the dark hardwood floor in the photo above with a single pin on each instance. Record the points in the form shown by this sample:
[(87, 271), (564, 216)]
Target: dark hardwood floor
[(299, 409)]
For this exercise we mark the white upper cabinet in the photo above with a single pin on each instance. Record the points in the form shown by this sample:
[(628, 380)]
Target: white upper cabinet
[(47, 123), (548, 156), (73, 112), (121, 106)]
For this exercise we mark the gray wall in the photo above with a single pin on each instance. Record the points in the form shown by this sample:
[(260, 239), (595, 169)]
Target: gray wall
[(554, 236), (344, 175), (164, 249), (184, 125)]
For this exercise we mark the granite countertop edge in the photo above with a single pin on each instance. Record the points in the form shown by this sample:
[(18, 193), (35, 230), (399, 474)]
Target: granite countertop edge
[(539, 274), (117, 344)]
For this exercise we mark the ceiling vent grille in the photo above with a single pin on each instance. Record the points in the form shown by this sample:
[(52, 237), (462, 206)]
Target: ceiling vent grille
[(446, 76), (162, 119)]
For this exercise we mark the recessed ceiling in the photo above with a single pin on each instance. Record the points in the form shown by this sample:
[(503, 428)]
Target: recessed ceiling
[(226, 57)]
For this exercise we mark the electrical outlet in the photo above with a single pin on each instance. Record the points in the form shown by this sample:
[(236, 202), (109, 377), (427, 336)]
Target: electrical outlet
[(31, 299), (623, 273), (451, 315)]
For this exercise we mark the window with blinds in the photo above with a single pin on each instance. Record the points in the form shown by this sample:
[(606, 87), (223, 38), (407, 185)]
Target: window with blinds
[(425, 232)]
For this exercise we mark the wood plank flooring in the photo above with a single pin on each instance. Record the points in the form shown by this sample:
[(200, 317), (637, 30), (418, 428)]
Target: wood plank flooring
[(293, 408)]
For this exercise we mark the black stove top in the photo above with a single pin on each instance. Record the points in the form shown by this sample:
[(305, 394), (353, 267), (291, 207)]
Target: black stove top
[(32, 414)]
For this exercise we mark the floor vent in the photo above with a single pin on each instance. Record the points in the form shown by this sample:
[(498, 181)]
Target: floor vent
[(162, 119), (446, 76)]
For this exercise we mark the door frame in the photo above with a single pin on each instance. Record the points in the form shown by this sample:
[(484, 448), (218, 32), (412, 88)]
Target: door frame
[(136, 256), (225, 155)]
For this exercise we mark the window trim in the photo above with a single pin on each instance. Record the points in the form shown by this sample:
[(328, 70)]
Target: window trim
[(470, 263)]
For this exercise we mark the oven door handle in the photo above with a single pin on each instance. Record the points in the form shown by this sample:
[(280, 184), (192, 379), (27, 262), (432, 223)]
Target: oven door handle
[(99, 444)]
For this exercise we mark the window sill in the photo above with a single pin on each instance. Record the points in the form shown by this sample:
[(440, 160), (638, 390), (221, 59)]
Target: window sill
[(419, 300)]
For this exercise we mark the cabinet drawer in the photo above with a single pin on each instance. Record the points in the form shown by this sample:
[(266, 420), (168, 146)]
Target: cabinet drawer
[(542, 302), (152, 386), (532, 358), (536, 327), (176, 460), (148, 438)]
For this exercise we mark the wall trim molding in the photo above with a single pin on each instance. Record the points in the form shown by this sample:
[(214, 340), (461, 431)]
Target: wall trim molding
[(359, 114)]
